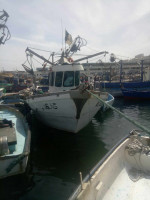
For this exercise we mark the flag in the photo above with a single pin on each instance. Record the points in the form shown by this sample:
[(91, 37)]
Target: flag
[(68, 38)]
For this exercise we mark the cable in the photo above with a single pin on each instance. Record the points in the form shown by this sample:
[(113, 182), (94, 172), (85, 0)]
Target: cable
[(40, 49)]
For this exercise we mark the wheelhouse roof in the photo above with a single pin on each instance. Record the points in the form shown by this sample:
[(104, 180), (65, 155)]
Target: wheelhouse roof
[(68, 67)]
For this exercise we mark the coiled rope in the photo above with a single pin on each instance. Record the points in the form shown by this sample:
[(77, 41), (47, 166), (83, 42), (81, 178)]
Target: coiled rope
[(120, 113)]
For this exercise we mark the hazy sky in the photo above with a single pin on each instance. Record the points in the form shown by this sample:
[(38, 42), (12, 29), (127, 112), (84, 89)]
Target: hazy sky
[(121, 27)]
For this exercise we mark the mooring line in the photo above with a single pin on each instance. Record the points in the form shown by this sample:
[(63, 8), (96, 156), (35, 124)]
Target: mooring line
[(120, 113)]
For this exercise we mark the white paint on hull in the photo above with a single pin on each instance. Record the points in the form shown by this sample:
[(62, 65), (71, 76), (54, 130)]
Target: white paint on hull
[(61, 112)]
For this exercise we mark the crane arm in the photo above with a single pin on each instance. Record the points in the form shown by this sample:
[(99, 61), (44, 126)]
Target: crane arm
[(41, 57)]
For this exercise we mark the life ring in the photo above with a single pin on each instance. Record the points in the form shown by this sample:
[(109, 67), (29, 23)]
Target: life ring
[(70, 59)]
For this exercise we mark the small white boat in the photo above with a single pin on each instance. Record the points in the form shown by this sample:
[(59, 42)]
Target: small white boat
[(109, 101), (14, 142), (124, 173)]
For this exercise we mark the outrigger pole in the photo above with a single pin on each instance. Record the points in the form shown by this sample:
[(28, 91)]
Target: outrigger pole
[(90, 56)]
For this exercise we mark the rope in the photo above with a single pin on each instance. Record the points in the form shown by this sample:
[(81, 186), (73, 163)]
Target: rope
[(40, 49), (17, 161), (122, 114)]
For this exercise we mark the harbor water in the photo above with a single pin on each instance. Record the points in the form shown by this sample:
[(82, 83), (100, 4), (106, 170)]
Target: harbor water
[(57, 157)]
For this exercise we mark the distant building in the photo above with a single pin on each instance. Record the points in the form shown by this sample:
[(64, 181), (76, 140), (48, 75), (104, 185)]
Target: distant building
[(139, 56)]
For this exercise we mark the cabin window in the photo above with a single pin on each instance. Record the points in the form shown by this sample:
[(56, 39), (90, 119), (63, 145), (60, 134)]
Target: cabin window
[(51, 79), (58, 79), (68, 79), (77, 78)]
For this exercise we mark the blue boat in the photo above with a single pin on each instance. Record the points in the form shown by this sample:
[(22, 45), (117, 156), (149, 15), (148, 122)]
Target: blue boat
[(115, 87), (11, 99), (14, 142), (136, 94)]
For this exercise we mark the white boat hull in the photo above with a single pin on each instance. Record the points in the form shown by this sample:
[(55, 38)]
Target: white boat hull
[(68, 111), (109, 101)]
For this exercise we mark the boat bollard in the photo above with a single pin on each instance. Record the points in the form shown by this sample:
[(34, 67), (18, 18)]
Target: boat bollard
[(81, 180)]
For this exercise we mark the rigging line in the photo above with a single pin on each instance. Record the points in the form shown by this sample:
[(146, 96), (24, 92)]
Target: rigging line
[(57, 53), (30, 64), (92, 49), (123, 56), (40, 49), (95, 58), (36, 60)]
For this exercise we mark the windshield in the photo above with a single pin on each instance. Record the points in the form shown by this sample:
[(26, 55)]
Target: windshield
[(68, 79)]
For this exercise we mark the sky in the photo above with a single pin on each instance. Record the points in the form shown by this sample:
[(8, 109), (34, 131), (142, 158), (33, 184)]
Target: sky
[(117, 26)]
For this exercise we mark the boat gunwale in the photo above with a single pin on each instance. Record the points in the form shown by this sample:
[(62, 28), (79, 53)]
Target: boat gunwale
[(47, 94), (59, 93), (97, 166)]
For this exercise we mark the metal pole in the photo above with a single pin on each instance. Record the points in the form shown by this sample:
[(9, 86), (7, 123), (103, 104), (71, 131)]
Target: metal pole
[(142, 61), (120, 70)]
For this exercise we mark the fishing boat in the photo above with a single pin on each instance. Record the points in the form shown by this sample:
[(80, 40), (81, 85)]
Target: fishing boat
[(14, 142), (67, 105), (136, 94), (115, 88), (11, 99), (140, 81), (124, 173)]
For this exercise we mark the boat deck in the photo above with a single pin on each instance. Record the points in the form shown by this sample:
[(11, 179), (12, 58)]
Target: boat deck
[(125, 188), (10, 133), (18, 147)]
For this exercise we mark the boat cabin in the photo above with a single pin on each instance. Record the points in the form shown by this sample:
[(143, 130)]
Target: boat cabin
[(65, 77)]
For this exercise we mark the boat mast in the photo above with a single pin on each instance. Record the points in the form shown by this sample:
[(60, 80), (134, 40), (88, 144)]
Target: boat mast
[(120, 71)]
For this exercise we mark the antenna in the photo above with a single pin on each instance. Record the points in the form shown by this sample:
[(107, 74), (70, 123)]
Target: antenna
[(62, 35)]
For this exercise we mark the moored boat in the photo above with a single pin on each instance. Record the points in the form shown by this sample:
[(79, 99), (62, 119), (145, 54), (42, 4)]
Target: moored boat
[(124, 173), (14, 142), (108, 102), (136, 94), (115, 88), (67, 105), (11, 99)]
